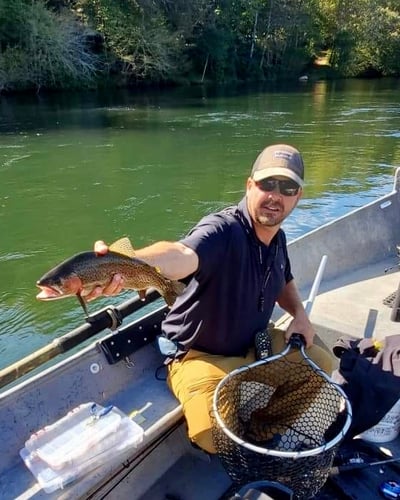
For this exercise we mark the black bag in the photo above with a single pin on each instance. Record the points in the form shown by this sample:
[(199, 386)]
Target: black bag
[(371, 378)]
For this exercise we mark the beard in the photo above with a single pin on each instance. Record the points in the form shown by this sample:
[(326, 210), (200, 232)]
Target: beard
[(266, 216), (267, 221), (271, 218)]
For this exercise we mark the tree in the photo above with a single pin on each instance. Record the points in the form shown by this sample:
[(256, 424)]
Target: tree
[(366, 37), (137, 41), (42, 49)]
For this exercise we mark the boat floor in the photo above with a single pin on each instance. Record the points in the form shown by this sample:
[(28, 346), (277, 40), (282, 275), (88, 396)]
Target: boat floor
[(355, 306), (197, 475)]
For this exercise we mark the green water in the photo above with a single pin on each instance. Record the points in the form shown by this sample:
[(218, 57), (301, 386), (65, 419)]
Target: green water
[(75, 168)]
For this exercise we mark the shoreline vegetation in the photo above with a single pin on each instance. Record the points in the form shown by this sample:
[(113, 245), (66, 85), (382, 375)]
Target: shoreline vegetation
[(91, 44)]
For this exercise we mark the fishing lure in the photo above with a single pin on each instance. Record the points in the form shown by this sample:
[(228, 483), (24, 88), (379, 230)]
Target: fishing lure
[(95, 414)]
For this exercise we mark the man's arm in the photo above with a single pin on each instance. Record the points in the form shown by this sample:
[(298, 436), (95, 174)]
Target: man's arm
[(174, 260), (290, 301)]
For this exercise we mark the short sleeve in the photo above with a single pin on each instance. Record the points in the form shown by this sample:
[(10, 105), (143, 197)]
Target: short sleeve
[(209, 239)]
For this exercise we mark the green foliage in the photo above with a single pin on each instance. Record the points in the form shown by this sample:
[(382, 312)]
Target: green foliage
[(137, 39), (367, 37), (41, 49), (386, 40), (50, 43)]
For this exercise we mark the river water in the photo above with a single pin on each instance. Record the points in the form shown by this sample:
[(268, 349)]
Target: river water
[(75, 168)]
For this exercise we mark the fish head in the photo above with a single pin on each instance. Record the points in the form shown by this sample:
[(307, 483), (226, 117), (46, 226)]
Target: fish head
[(59, 283)]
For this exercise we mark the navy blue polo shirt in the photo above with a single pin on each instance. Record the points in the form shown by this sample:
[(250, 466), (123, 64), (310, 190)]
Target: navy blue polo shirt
[(233, 292)]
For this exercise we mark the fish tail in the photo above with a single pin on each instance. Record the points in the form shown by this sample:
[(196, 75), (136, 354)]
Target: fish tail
[(174, 289)]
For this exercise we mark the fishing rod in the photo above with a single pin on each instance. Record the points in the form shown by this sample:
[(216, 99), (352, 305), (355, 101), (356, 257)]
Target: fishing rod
[(360, 465), (109, 317)]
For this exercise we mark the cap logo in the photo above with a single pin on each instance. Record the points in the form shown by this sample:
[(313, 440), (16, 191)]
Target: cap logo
[(283, 154)]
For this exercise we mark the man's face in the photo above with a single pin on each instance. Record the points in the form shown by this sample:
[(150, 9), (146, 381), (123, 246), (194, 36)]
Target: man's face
[(266, 203)]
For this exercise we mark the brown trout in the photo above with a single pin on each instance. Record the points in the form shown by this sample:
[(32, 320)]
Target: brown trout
[(85, 270)]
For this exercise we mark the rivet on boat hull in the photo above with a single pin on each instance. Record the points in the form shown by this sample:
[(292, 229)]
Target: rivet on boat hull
[(95, 368)]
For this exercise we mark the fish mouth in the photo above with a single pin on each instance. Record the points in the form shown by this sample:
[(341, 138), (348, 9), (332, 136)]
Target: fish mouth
[(48, 293)]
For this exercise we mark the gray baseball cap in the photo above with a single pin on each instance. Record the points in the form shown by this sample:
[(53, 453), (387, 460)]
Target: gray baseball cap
[(279, 159)]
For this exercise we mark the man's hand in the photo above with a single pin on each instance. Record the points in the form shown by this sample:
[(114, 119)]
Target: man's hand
[(100, 248), (116, 284), (301, 324), (290, 301)]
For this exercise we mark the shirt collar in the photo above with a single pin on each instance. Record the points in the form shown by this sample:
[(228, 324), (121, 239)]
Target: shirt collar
[(247, 222)]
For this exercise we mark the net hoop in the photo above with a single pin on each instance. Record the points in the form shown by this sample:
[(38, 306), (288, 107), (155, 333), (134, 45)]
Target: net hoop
[(280, 453)]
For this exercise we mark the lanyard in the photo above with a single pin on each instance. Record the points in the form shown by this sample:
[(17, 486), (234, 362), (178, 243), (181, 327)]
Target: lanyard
[(267, 275)]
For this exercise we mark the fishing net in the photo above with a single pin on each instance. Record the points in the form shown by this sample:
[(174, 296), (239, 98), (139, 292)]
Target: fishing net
[(280, 420)]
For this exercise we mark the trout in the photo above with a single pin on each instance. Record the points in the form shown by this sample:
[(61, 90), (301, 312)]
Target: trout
[(86, 270)]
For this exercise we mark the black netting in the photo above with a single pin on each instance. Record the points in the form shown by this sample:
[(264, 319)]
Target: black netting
[(287, 420)]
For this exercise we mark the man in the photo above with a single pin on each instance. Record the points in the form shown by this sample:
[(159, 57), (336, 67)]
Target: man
[(237, 267)]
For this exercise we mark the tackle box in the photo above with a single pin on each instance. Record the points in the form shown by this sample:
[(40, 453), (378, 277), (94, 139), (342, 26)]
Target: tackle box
[(86, 438)]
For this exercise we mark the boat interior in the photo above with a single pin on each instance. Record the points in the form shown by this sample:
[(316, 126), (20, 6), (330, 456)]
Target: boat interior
[(355, 298)]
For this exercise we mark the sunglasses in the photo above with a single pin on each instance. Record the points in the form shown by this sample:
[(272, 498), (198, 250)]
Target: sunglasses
[(285, 187)]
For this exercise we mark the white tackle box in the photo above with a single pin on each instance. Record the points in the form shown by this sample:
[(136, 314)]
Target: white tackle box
[(86, 438)]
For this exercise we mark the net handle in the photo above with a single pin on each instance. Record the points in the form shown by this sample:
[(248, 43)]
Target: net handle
[(297, 340)]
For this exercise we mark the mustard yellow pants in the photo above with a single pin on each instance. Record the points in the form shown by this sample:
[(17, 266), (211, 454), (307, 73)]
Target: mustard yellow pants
[(193, 380)]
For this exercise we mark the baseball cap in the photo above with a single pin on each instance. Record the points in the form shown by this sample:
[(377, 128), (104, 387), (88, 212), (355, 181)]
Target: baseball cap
[(279, 159)]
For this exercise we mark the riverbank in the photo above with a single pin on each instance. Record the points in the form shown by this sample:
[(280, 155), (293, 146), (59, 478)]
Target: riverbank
[(63, 45)]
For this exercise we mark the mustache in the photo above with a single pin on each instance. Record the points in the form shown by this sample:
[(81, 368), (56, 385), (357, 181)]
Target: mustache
[(272, 204)]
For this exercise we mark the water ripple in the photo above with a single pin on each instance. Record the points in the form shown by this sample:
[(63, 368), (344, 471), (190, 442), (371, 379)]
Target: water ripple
[(9, 162)]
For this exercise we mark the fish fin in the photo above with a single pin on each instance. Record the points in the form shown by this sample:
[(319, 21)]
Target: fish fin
[(178, 287), (175, 288), (122, 246), (82, 303)]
